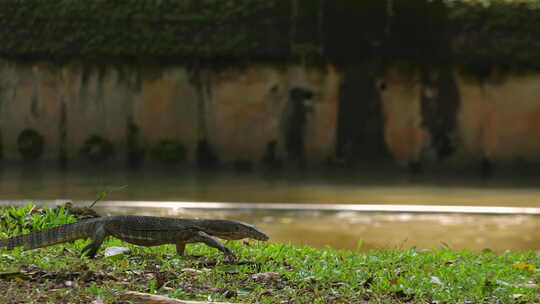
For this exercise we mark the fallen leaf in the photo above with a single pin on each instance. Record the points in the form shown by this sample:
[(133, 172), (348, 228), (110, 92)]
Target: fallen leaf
[(524, 285), (7, 256), (243, 291), (14, 275), (522, 266), (503, 283), (311, 279), (265, 275), (435, 280), (114, 251), (19, 280), (229, 294), (155, 299), (232, 269), (192, 270)]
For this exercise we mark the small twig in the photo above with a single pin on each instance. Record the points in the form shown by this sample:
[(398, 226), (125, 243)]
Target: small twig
[(157, 299), (104, 193)]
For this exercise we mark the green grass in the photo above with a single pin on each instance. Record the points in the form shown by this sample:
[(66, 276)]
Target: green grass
[(294, 274)]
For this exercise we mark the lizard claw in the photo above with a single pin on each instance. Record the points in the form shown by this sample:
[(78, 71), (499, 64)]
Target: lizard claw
[(230, 258), (229, 255)]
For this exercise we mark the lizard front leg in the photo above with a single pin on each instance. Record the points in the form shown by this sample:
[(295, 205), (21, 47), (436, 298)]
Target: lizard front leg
[(180, 248), (210, 241), (97, 239)]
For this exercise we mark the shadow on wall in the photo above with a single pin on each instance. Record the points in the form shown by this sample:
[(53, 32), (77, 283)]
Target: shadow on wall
[(360, 130), (293, 122)]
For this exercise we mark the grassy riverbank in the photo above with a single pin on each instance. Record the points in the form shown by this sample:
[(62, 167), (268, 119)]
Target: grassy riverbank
[(263, 273)]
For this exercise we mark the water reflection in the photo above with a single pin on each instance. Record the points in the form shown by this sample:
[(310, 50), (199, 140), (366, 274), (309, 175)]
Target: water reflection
[(283, 187)]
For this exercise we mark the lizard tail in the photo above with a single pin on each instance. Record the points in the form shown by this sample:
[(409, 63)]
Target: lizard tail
[(56, 235)]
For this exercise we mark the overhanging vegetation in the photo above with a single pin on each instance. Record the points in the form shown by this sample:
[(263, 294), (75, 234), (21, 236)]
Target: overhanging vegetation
[(478, 36)]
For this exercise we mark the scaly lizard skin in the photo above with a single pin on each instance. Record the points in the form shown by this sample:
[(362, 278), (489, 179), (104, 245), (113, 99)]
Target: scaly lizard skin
[(141, 230)]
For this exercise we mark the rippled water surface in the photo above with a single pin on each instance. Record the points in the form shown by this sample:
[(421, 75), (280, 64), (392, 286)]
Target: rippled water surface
[(351, 230)]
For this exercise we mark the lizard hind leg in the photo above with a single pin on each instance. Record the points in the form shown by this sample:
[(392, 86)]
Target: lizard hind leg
[(97, 239)]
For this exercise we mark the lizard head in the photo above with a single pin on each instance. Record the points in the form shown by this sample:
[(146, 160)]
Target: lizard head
[(234, 230)]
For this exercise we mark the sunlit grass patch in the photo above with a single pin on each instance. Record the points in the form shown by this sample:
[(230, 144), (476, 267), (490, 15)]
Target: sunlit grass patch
[(263, 272)]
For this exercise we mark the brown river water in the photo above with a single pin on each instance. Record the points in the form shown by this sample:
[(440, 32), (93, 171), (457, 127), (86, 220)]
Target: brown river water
[(150, 192)]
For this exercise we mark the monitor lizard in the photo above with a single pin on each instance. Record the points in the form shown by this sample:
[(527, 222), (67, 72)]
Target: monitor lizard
[(140, 230)]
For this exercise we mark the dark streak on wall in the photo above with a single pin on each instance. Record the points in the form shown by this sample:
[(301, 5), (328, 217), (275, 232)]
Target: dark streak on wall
[(62, 130), (135, 147), (100, 90), (439, 107), (34, 105), (360, 130), (294, 119)]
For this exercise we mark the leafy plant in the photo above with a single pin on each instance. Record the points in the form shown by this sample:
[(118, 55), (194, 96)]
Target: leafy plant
[(17, 220)]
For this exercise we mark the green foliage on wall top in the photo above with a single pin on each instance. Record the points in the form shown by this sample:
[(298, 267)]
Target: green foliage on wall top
[(479, 35), (499, 34), (132, 28)]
